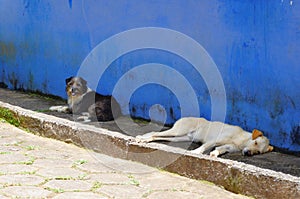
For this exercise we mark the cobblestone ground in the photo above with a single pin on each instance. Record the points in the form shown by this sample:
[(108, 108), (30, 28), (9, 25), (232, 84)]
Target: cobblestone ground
[(36, 167)]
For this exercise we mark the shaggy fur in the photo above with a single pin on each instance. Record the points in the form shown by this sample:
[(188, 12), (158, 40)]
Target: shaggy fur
[(83, 100)]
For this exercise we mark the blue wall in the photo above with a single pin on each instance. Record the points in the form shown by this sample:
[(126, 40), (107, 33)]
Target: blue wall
[(254, 45)]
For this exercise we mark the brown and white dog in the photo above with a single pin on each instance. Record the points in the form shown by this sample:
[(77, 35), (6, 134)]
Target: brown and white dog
[(86, 102), (225, 137)]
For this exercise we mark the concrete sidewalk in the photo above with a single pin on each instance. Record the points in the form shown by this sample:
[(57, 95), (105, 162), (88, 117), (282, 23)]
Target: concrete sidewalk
[(37, 167)]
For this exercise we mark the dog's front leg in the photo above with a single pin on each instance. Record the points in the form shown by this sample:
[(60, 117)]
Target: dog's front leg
[(204, 147), (85, 117), (223, 149), (62, 109), (148, 137)]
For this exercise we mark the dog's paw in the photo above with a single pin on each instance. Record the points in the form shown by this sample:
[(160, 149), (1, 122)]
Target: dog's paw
[(62, 109), (84, 119), (199, 150), (143, 139), (54, 108), (214, 153)]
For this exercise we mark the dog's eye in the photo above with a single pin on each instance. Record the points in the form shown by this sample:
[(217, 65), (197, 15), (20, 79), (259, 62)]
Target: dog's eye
[(255, 143)]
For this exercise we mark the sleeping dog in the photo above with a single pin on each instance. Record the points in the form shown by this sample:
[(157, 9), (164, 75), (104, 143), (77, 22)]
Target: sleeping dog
[(86, 102), (225, 137)]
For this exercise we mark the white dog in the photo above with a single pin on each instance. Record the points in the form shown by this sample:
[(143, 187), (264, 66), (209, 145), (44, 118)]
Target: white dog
[(226, 138)]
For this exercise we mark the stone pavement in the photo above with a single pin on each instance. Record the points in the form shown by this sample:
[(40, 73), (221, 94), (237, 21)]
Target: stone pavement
[(37, 167)]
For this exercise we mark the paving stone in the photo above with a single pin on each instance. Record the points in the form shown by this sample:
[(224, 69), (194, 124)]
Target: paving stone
[(166, 181), (123, 165), (95, 167), (13, 158), (204, 187), (21, 179), (6, 131), (46, 153), (122, 191), (86, 155), (69, 185), (10, 141), (110, 178), (61, 173), (10, 149), (79, 195), (46, 163), (24, 139), (3, 197), (26, 192), (17, 168), (174, 194), (59, 146)]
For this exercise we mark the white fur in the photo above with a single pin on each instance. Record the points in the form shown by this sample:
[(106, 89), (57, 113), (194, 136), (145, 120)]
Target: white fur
[(63, 109), (225, 137)]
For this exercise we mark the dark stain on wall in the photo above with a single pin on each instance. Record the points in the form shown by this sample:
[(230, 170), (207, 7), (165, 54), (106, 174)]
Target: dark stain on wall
[(3, 85), (7, 51), (31, 80), (3, 74), (70, 3), (276, 108), (295, 135), (171, 114), (133, 110), (13, 80), (45, 86)]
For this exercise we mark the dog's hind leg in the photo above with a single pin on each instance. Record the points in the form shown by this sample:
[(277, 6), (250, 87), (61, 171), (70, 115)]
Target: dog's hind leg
[(169, 135), (149, 138), (180, 131), (174, 139)]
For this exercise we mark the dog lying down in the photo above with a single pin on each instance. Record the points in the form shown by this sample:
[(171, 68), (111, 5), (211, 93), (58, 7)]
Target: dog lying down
[(90, 105), (225, 137)]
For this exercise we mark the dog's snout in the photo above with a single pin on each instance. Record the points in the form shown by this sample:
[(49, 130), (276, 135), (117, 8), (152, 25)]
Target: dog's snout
[(247, 152), (74, 90)]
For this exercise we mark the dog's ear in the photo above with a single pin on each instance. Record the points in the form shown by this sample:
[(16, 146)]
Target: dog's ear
[(270, 148), (68, 80), (256, 133), (83, 81)]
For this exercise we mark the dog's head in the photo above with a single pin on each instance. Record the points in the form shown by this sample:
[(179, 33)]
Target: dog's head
[(75, 87), (258, 145)]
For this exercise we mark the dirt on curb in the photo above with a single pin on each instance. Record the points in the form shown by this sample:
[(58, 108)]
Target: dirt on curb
[(276, 161)]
